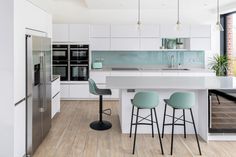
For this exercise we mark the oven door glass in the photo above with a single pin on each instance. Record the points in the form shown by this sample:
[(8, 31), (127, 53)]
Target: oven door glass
[(79, 55), (62, 71), (79, 73), (60, 55)]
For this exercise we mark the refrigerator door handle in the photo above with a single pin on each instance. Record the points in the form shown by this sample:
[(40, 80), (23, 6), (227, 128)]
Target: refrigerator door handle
[(43, 107)]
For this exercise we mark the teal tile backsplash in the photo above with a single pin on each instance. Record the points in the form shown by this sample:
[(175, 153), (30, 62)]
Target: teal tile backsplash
[(149, 58)]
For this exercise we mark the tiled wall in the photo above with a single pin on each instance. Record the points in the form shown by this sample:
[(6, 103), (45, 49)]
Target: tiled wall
[(149, 58)]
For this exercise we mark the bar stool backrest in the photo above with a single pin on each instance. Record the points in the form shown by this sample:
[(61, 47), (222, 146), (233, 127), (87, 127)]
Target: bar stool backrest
[(146, 100), (92, 87), (182, 100)]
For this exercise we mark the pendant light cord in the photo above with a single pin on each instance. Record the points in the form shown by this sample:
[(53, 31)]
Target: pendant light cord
[(178, 12), (218, 11), (139, 10)]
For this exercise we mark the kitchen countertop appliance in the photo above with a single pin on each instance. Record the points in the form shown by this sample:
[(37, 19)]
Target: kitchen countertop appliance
[(38, 91)]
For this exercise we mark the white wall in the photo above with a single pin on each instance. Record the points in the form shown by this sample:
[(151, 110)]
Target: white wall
[(6, 79)]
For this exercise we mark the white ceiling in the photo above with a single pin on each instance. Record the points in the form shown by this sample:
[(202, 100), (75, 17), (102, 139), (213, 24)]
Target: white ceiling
[(115, 11)]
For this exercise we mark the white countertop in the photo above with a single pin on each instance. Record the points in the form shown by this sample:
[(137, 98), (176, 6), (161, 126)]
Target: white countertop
[(170, 82)]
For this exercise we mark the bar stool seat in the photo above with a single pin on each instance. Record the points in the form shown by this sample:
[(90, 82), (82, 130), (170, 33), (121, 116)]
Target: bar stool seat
[(100, 124), (180, 101), (145, 100)]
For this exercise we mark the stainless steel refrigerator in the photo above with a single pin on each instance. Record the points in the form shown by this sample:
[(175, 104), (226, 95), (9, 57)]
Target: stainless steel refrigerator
[(38, 91)]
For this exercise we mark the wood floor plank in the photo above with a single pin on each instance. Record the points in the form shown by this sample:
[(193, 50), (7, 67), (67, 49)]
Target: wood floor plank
[(71, 136)]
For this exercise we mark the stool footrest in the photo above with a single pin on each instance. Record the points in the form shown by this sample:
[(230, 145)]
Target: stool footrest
[(107, 112)]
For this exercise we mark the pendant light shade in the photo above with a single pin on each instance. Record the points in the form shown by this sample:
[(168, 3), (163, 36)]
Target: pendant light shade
[(219, 27), (139, 24), (178, 23)]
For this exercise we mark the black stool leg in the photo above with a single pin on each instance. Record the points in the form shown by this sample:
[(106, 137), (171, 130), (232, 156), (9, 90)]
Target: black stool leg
[(195, 132), (164, 118), (131, 123), (100, 125), (184, 123), (152, 123), (172, 134), (136, 125), (158, 131)]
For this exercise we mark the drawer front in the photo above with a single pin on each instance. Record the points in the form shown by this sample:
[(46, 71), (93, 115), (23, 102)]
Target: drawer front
[(55, 105), (55, 87)]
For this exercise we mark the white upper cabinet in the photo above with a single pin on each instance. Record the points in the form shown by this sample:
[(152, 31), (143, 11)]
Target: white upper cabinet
[(100, 31), (150, 31), (78, 32), (200, 43), (124, 31), (169, 31), (201, 31), (60, 33), (150, 43), (100, 43), (125, 44)]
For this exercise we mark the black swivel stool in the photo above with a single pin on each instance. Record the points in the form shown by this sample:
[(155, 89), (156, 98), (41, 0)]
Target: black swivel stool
[(100, 124)]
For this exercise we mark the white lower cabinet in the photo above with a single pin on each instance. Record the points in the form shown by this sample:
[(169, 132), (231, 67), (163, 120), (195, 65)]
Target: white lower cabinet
[(80, 91), (65, 91), (56, 97), (19, 129)]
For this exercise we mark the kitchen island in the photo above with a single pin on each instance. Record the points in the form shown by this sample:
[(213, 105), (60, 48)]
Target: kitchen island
[(165, 86)]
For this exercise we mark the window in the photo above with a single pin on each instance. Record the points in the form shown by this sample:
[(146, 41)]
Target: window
[(228, 41)]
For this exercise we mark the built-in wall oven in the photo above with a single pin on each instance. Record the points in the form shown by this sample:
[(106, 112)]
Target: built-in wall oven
[(79, 52), (60, 52), (79, 62), (222, 111), (61, 61), (61, 68), (71, 62)]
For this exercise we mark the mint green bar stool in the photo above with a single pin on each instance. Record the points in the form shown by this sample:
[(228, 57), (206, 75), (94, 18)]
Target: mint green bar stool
[(145, 100), (180, 101), (100, 124)]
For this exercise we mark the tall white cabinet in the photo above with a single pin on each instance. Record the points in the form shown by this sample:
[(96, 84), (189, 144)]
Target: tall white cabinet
[(26, 19), (75, 33)]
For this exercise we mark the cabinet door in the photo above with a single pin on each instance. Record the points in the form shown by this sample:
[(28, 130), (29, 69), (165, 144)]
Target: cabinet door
[(201, 31), (169, 31), (150, 31), (200, 43), (80, 91), (55, 87), (124, 43), (100, 31), (124, 31), (100, 43), (78, 32), (150, 43), (60, 33), (65, 91), (99, 77), (55, 105), (19, 129)]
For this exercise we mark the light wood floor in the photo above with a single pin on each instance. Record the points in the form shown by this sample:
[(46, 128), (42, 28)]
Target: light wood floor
[(70, 136)]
